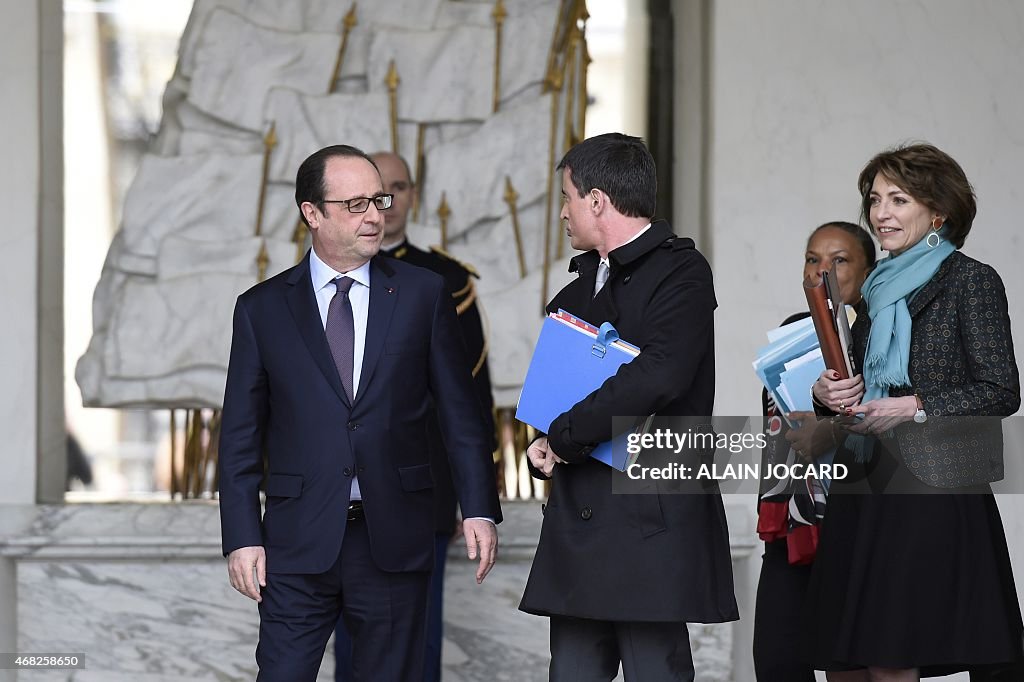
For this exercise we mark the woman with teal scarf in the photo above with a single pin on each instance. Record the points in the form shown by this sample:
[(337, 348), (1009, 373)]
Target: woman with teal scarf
[(913, 575)]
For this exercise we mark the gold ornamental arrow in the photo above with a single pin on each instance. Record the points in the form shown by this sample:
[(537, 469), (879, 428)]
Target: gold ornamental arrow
[(443, 212), (511, 197), (348, 23)]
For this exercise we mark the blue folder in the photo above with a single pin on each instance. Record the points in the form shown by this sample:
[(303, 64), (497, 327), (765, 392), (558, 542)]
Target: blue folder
[(569, 364)]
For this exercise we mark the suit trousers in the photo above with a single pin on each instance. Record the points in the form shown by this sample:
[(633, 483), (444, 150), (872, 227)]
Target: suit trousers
[(435, 624), (584, 650), (384, 612)]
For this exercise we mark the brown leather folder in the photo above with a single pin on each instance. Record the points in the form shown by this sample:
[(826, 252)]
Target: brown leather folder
[(830, 323)]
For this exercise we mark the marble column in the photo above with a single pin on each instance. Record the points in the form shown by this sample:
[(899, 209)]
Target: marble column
[(31, 241), (31, 215)]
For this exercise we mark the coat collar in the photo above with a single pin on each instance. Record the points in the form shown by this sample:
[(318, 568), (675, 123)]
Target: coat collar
[(603, 308), (657, 233), (932, 287)]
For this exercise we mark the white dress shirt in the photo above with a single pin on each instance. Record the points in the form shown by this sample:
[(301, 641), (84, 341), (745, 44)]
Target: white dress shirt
[(323, 276), (324, 287)]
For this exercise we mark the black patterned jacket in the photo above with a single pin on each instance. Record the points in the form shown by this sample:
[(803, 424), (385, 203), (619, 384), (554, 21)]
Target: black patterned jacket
[(963, 368)]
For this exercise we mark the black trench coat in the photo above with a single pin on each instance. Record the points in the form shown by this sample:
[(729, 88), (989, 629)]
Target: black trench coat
[(636, 557)]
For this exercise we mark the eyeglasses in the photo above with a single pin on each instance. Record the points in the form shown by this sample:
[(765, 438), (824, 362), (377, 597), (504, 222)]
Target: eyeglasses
[(362, 204)]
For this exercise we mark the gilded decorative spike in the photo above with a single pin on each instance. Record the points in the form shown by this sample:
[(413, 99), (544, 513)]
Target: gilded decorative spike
[(557, 46), (570, 91), (419, 180), (262, 261), (549, 228), (299, 237), (392, 80), (443, 212), (347, 24), (511, 197), (581, 96), (175, 488), (499, 14), (269, 142)]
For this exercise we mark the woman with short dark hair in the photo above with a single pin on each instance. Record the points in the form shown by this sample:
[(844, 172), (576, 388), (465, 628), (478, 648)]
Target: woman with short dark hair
[(913, 576)]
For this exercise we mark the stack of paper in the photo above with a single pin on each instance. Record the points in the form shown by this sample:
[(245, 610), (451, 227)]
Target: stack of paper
[(789, 364)]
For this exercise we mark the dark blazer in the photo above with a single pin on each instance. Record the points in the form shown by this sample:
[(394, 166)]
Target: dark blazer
[(284, 401), (636, 557), (963, 367), (458, 280)]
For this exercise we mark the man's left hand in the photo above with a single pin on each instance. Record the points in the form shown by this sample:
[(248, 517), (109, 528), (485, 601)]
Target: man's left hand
[(482, 541)]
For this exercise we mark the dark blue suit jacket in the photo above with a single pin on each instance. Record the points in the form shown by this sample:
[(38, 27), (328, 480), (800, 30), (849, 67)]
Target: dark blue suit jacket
[(284, 400)]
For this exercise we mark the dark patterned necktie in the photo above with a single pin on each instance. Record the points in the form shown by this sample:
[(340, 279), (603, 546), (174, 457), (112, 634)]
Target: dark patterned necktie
[(340, 331)]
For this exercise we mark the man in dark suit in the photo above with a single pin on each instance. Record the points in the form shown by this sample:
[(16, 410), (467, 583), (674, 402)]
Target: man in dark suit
[(620, 575), (394, 173), (333, 366)]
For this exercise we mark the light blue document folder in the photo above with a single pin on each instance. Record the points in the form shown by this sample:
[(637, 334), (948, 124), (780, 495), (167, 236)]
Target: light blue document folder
[(568, 365)]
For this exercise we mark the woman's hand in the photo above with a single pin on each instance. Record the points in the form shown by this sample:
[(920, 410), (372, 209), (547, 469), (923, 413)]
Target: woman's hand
[(812, 438), (838, 395), (883, 414)]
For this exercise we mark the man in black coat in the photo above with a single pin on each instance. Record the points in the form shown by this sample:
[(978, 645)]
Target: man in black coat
[(458, 279), (620, 575)]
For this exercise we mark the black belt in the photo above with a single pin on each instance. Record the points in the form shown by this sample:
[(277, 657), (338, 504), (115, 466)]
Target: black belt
[(355, 510)]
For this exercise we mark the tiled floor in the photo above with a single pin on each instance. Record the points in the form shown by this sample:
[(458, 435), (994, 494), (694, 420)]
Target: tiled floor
[(486, 636)]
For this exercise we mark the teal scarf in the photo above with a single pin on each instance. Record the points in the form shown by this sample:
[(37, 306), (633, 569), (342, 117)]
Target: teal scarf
[(888, 288), (886, 291)]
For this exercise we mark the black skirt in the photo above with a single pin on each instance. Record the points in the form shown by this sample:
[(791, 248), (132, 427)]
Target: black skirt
[(916, 579)]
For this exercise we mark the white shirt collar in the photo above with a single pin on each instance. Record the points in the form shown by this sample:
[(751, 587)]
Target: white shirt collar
[(323, 274)]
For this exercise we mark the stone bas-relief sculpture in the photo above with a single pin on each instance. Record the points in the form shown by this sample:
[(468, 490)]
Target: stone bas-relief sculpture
[(259, 86)]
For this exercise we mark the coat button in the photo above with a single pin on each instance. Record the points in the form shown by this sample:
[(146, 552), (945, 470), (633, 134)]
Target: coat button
[(586, 513), (352, 426), (346, 471)]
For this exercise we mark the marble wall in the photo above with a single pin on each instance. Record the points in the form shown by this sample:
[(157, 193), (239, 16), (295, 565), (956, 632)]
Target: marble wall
[(162, 308)]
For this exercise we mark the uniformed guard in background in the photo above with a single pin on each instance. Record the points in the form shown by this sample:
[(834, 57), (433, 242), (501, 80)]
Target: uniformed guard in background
[(458, 277)]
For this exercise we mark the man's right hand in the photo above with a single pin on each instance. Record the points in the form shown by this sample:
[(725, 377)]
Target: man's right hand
[(542, 457), (247, 571)]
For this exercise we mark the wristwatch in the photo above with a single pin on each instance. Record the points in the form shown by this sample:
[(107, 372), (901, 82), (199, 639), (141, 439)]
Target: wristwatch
[(920, 416)]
